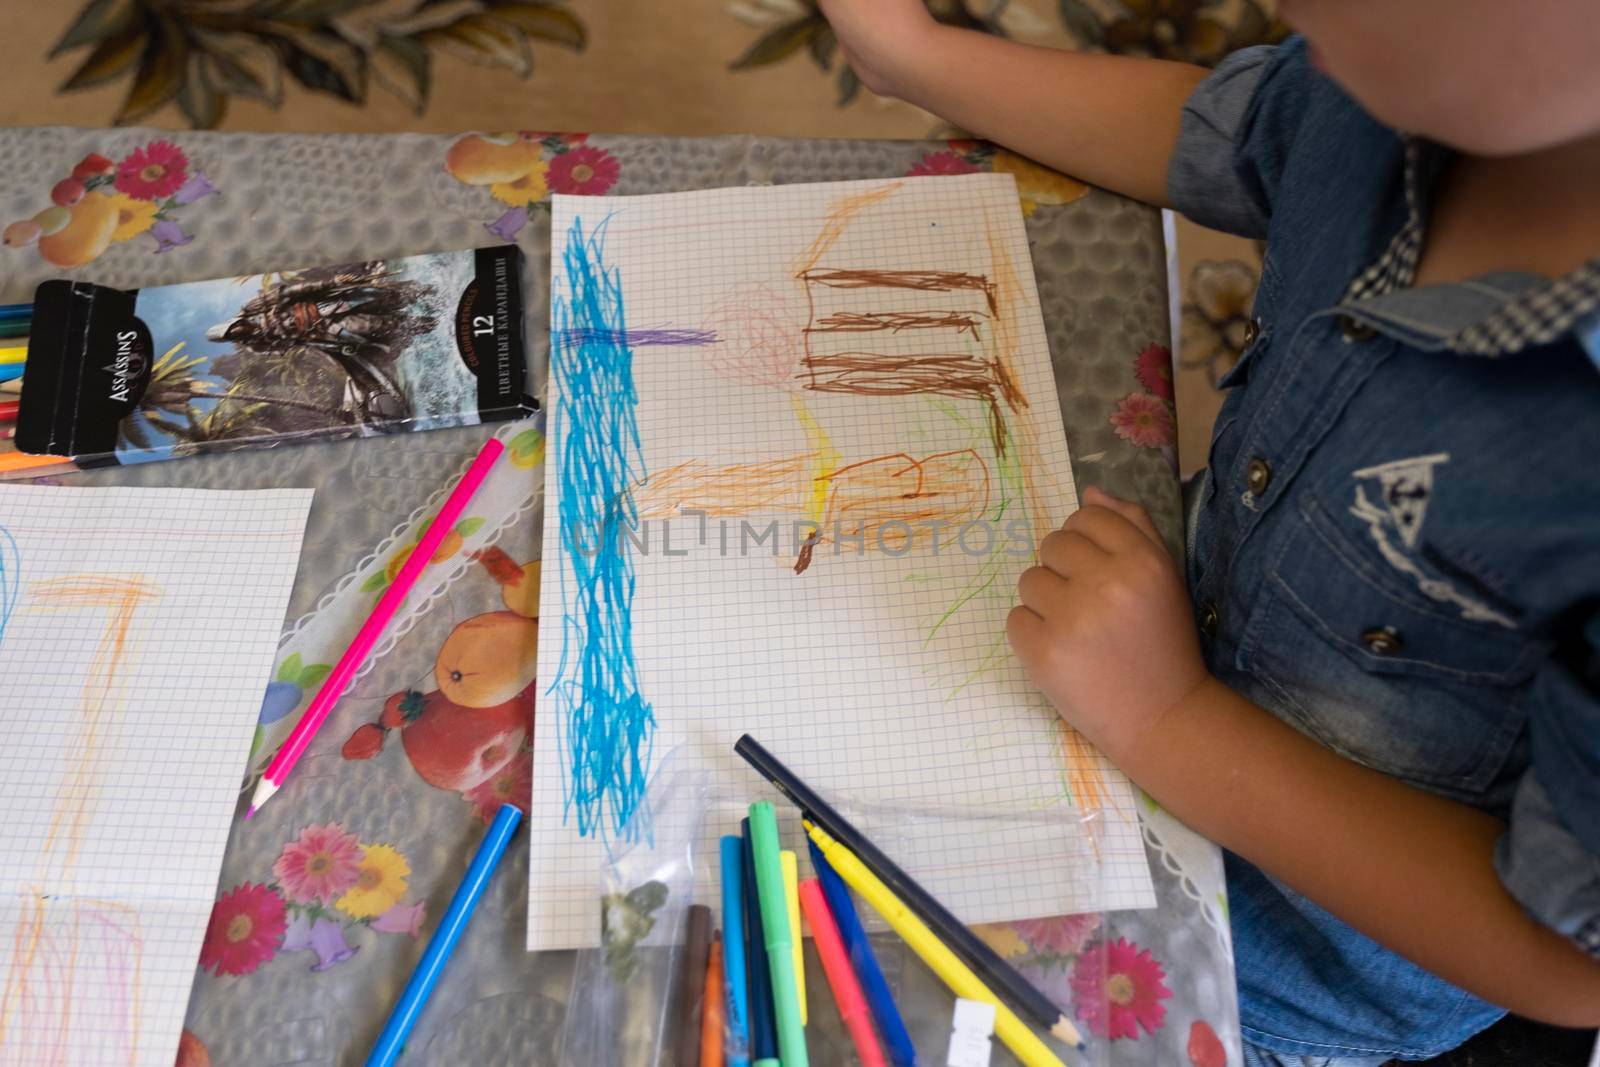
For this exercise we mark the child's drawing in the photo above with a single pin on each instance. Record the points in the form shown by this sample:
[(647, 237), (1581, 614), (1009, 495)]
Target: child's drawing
[(870, 371), (133, 677), (74, 960)]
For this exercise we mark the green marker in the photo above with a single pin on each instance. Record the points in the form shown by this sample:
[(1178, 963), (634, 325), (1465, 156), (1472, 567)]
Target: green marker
[(775, 928)]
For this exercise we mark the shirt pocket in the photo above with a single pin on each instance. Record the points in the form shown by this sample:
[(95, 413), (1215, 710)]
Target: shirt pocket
[(1365, 663)]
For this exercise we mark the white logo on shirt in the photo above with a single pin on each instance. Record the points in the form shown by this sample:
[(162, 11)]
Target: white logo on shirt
[(1405, 486)]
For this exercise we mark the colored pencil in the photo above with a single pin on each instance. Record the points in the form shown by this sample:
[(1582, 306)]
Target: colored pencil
[(733, 962), (791, 897), (11, 387), (763, 1037), (426, 975), (902, 1053), (14, 328), (841, 979), (712, 1021), (8, 409), (684, 1022), (1023, 1043), (334, 686), (775, 929), (14, 353), (979, 956), (11, 371), (13, 312)]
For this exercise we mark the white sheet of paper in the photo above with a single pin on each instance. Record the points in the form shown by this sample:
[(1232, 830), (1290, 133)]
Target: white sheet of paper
[(870, 357), (137, 635)]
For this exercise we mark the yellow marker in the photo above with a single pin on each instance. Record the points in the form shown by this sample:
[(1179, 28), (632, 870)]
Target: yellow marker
[(791, 894), (1022, 1042)]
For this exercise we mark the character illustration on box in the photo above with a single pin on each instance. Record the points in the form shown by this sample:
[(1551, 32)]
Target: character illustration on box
[(473, 734), (359, 316)]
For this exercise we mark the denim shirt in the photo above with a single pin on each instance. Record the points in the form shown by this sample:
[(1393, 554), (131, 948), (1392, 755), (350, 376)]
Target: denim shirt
[(1396, 545)]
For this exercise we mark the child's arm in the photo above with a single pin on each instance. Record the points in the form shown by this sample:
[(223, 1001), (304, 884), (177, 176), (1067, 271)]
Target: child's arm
[(1106, 631), (1109, 120)]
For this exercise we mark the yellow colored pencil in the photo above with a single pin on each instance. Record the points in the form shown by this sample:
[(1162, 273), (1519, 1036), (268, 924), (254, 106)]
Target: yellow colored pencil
[(1022, 1042), (13, 353), (791, 893)]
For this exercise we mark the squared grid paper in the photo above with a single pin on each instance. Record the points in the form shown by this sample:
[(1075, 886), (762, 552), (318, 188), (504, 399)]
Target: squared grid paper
[(125, 737), (846, 671)]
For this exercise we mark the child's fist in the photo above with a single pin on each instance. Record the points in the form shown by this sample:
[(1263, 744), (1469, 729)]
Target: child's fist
[(1105, 628), (879, 37)]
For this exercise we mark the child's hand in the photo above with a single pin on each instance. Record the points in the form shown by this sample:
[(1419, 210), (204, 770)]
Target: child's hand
[(878, 37), (1105, 628)]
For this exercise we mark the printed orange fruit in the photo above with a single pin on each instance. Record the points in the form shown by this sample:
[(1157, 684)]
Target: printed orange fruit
[(488, 659), (477, 160), (94, 220)]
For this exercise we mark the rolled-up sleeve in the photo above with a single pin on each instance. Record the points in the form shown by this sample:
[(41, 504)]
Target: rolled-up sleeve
[(1235, 134), (1549, 858)]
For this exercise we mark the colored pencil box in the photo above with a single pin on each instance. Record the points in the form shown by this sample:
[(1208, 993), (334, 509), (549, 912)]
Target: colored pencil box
[(121, 376)]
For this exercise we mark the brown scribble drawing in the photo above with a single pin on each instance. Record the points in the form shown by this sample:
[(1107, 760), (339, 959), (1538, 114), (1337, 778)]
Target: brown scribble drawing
[(865, 498), (72, 956), (968, 368), (895, 321), (927, 281)]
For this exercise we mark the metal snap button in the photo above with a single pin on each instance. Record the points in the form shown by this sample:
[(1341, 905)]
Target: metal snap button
[(1382, 641), (1257, 476), (1252, 330), (1354, 330), (1208, 619)]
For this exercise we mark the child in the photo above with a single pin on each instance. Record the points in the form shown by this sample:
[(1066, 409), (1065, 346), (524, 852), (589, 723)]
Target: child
[(1379, 686)]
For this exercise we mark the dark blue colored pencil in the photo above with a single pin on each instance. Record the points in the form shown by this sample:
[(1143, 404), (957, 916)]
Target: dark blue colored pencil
[(891, 1027), (763, 1024)]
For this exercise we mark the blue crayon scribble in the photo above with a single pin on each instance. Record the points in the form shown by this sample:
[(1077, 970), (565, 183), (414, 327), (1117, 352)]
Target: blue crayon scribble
[(10, 578), (605, 726)]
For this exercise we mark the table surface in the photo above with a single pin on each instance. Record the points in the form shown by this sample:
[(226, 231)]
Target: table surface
[(322, 994)]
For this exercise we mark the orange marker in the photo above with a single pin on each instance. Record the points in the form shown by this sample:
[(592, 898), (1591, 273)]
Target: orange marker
[(711, 1011)]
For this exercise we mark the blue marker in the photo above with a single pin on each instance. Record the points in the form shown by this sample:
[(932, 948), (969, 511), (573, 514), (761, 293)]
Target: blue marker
[(763, 1024), (734, 977), (892, 1028), (404, 1016)]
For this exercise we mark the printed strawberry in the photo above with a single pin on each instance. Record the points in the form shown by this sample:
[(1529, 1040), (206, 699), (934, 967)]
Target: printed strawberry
[(365, 743), (92, 165), (402, 708)]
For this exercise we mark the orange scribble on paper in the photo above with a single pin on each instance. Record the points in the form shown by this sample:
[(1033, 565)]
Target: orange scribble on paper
[(72, 984)]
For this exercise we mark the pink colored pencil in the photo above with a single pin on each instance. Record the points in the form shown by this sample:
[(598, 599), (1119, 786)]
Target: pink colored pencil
[(841, 976), (333, 688)]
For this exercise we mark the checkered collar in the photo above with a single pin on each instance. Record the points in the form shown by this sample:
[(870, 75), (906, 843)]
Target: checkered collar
[(1525, 310)]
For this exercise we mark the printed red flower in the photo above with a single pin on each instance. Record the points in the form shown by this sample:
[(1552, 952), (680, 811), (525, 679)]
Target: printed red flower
[(246, 927), (319, 865), (511, 784), (1153, 367), (1062, 935), (1143, 419), (1117, 987), (585, 170), (153, 172), (940, 163)]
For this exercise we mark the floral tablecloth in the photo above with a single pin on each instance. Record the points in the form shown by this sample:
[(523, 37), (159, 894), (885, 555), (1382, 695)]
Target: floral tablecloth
[(327, 898)]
